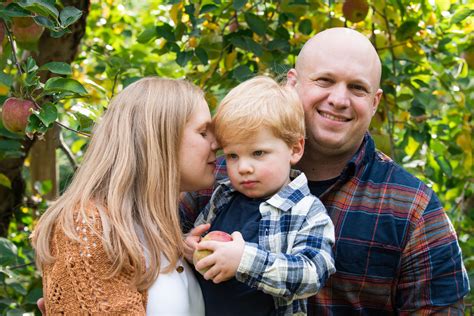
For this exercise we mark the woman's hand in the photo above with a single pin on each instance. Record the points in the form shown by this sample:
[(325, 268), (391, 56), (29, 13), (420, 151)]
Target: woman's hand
[(192, 239), (41, 307)]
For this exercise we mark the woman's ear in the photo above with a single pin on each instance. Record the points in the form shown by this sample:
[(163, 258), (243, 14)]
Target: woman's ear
[(297, 151)]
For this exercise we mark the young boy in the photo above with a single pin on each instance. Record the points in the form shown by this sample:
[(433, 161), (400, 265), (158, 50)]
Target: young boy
[(282, 235)]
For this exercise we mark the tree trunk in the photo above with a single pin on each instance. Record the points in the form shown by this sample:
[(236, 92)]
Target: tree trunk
[(43, 156)]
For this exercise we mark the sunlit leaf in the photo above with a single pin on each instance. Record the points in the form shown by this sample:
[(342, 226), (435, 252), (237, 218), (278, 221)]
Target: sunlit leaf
[(5, 181), (59, 68), (58, 84)]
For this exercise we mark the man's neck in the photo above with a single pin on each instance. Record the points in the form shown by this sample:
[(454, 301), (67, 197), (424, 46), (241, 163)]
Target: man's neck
[(318, 166)]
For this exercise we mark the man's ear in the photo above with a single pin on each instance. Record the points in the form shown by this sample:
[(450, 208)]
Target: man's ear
[(297, 151), (377, 98), (292, 77)]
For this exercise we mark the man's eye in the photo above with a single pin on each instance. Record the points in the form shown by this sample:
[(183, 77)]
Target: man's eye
[(258, 153), (358, 87), (203, 134), (323, 81)]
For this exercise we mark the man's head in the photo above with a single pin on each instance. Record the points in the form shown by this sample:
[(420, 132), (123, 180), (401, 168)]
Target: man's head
[(260, 126), (337, 77)]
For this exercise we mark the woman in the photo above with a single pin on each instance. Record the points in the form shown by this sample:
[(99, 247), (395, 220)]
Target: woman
[(112, 242)]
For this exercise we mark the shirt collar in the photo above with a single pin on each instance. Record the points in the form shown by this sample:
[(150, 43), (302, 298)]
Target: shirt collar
[(292, 193), (287, 197), (360, 158)]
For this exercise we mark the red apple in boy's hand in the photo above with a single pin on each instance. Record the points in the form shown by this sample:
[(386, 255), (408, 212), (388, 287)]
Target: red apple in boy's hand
[(215, 235)]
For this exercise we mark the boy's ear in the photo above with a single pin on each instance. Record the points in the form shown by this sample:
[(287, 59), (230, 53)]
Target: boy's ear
[(297, 151)]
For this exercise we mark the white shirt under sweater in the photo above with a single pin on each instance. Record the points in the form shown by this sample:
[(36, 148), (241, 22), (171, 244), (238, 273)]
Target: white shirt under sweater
[(174, 293)]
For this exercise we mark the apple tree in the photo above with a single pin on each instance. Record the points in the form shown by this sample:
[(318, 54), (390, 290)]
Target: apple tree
[(424, 121)]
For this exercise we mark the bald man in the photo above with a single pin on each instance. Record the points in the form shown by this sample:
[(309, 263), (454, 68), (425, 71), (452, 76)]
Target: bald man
[(396, 250)]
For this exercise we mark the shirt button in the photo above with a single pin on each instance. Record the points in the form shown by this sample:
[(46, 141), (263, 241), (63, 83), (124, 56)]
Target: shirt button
[(180, 269)]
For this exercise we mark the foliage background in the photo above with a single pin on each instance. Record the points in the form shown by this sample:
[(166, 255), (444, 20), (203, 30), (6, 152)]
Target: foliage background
[(424, 121)]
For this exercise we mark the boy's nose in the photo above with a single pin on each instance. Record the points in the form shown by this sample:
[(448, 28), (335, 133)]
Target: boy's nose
[(245, 167)]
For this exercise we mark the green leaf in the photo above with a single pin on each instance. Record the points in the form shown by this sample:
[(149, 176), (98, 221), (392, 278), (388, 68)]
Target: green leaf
[(47, 23), (14, 10), (41, 7), (182, 58), (208, 8), (43, 187), (201, 54), (31, 65), (59, 68), (58, 84), (461, 14), (279, 44), (147, 35), (4, 181), (48, 114), (443, 5), (166, 31), (254, 47), (242, 73), (255, 23), (16, 312), (85, 122), (69, 15), (444, 165), (35, 125), (77, 145), (32, 80), (34, 295), (9, 145), (6, 80), (58, 33), (9, 252), (407, 30), (305, 27), (238, 4), (18, 288)]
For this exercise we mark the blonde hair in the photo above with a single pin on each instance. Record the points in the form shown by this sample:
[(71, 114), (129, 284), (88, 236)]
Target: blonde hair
[(130, 174), (259, 102)]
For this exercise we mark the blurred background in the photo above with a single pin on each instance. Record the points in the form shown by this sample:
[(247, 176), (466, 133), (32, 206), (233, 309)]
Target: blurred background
[(62, 61)]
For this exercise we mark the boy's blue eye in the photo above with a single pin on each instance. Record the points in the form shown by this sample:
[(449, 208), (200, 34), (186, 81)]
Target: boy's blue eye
[(231, 156), (258, 153)]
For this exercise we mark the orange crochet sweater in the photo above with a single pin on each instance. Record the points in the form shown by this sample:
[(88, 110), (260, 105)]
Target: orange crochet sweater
[(77, 283)]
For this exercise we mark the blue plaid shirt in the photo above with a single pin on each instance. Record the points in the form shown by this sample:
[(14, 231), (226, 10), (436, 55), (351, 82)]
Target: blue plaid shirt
[(293, 258)]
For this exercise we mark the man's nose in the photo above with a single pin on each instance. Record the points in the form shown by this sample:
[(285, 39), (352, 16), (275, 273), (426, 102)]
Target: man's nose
[(339, 96)]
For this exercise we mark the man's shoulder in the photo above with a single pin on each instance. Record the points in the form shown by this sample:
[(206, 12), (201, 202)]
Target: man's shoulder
[(384, 170)]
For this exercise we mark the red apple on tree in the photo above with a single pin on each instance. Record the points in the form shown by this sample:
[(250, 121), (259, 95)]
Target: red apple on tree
[(26, 30), (15, 113), (215, 235), (355, 10)]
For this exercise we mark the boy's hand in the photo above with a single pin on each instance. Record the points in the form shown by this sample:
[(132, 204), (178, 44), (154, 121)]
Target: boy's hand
[(224, 260), (192, 239)]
